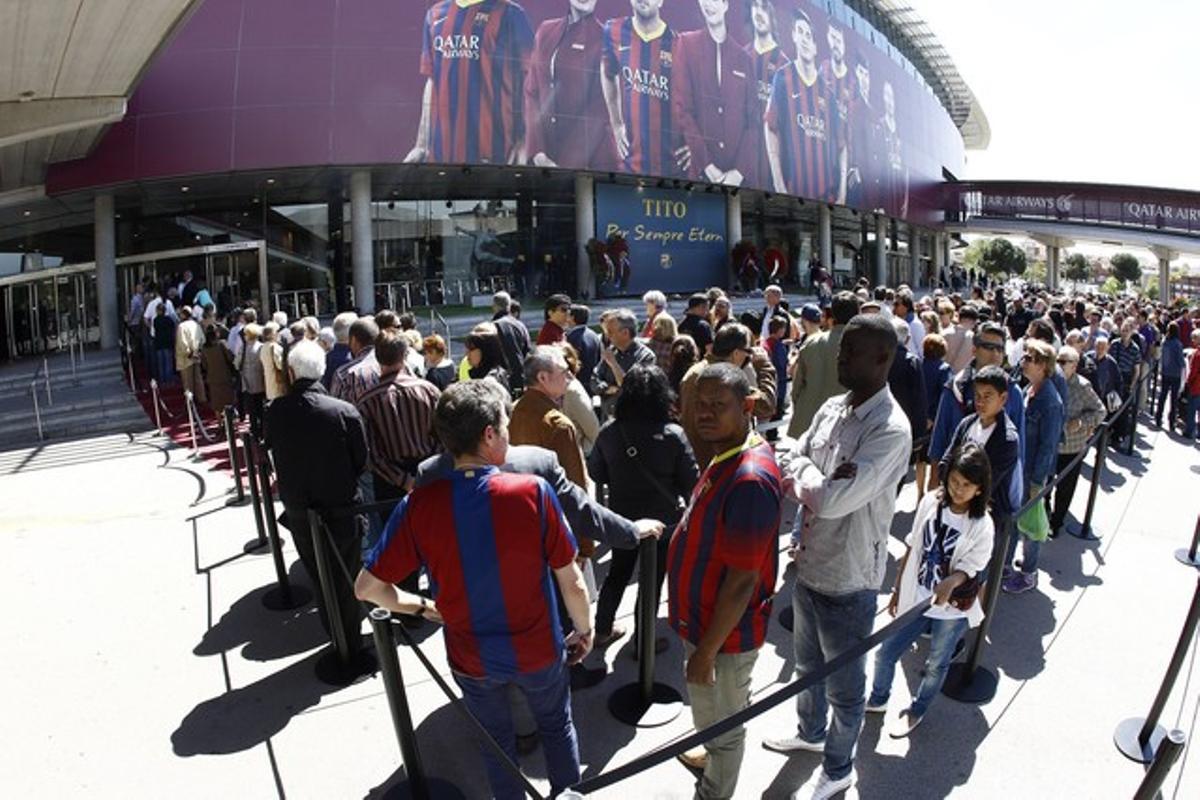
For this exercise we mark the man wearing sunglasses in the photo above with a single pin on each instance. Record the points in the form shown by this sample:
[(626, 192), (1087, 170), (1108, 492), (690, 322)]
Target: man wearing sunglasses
[(958, 396)]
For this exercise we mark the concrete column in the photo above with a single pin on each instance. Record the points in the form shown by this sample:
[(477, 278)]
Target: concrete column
[(914, 255), (361, 254), (733, 231), (825, 236), (939, 255), (1164, 280), (881, 270), (1052, 256), (585, 228), (106, 271)]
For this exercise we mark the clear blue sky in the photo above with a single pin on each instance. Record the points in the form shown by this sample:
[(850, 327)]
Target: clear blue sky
[(1077, 90)]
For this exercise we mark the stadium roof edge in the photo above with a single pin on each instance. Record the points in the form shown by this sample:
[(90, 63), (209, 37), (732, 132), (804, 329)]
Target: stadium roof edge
[(913, 37)]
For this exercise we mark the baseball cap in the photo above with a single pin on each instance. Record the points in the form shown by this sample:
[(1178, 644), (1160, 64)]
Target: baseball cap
[(810, 312)]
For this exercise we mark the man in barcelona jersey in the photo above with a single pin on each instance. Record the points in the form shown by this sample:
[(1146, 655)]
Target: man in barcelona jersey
[(566, 123), (712, 98), (865, 149), (800, 125), (766, 58), (894, 177), (497, 549), (636, 77), (473, 56), (839, 84), (722, 567)]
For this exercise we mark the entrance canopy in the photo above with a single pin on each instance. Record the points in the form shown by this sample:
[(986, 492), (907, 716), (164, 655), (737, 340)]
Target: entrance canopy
[(67, 68)]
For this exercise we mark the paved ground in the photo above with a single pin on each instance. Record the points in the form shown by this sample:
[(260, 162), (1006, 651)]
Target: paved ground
[(142, 661)]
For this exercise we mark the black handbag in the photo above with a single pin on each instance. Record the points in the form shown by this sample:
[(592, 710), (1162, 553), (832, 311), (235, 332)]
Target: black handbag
[(965, 594), (662, 489)]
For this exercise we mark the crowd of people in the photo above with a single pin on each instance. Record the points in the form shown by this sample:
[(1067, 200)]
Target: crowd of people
[(514, 468)]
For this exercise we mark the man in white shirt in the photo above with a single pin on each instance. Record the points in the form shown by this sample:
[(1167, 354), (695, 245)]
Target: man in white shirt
[(189, 339), (843, 470), (904, 309)]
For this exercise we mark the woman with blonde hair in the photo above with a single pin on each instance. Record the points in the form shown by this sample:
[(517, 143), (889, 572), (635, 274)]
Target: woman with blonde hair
[(662, 336), (271, 357)]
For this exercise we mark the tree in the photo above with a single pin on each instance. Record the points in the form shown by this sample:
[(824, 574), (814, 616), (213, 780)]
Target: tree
[(1111, 287), (1078, 268), (973, 253), (1037, 272), (1000, 256), (1125, 267)]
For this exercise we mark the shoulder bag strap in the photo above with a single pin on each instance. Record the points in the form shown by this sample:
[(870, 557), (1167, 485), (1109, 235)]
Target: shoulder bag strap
[(632, 452)]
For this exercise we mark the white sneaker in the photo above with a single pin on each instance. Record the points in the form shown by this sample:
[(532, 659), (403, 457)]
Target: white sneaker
[(821, 787), (793, 744), (876, 709)]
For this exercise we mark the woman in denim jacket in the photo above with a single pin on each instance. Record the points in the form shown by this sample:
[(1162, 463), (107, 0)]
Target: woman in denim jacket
[(1043, 431)]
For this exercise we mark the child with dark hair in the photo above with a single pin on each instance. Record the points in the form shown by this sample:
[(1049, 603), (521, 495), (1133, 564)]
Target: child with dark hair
[(950, 543)]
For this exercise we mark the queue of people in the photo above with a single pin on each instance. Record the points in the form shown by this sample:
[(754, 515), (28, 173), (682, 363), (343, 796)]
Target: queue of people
[(513, 470)]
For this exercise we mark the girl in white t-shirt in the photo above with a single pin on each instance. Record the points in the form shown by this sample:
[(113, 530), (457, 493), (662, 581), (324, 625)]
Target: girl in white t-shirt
[(950, 543)]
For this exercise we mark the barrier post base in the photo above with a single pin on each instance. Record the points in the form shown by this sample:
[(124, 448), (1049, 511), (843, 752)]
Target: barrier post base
[(257, 546), (1184, 556), (961, 685), (626, 705), (1085, 532), (1125, 737), (787, 618), (277, 600), (330, 669)]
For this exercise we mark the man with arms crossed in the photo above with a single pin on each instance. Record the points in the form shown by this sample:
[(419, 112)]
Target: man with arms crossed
[(843, 471)]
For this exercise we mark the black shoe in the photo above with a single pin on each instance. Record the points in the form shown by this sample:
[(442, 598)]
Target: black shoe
[(584, 678), (527, 743)]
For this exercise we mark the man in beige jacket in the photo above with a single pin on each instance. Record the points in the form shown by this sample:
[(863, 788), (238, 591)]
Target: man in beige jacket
[(815, 377)]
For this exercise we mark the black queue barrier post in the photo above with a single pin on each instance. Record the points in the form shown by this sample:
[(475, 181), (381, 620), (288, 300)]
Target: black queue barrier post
[(969, 681), (1139, 738), (1085, 530), (338, 665), (393, 684), (234, 465), (283, 596), (646, 704), (261, 543), (1165, 758), (1191, 555)]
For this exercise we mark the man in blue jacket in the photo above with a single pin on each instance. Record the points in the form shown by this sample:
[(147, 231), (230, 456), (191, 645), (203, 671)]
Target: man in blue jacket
[(959, 394)]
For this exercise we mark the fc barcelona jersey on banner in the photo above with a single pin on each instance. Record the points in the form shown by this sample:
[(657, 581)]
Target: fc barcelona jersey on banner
[(642, 67), (765, 65), (806, 123), (476, 54)]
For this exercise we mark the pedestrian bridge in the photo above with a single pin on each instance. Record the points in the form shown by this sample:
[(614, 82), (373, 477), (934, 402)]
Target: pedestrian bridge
[(1164, 221)]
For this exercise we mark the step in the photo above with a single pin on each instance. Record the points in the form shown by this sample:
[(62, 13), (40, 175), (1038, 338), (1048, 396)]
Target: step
[(18, 409), (124, 420)]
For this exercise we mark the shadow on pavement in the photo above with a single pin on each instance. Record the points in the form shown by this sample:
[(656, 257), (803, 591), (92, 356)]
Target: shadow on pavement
[(243, 718)]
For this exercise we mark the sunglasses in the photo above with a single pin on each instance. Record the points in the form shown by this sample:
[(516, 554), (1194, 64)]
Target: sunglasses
[(990, 346), (1067, 361)]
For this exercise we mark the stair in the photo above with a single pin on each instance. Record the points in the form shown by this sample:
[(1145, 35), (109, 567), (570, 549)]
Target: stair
[(92, 400)]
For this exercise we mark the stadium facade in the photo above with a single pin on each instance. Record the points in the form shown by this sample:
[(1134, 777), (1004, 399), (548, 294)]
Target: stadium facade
[(313, 154)]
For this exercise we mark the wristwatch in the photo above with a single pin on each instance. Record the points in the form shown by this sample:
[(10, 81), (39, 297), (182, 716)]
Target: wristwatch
[(424, 607)]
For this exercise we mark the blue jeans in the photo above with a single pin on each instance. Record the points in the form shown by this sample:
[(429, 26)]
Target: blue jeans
[(1189, 416), (1029, 553), (944, 633), (826, 626), (549, 696), (1168, 391)]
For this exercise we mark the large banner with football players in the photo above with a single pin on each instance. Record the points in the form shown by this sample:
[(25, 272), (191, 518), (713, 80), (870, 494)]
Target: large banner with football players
[(788, 96)]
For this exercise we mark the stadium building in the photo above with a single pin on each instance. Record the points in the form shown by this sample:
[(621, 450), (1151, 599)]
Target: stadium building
[(313, 154)]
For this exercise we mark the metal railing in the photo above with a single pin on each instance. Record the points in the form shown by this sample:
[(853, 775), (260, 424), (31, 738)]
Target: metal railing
[(406, 295)]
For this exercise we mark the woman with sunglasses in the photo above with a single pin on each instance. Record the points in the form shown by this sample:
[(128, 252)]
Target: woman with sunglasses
[(1083, 412), (1043, 430)]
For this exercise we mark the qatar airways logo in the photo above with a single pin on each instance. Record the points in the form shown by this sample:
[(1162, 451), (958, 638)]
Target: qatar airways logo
[(812, 125), (1023, 203), (1154, 211), (457, 45), (643, 81)]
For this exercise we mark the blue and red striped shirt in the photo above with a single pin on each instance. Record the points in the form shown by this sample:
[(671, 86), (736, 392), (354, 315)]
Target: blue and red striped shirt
[(764, 65), (476, 56), (489, 540), (642, 68), (807, 126), (732, 522)]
